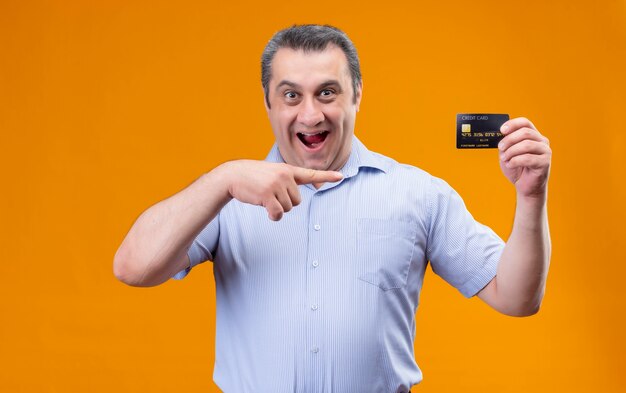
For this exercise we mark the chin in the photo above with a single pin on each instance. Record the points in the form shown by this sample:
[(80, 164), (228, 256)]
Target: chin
[(315, 165)]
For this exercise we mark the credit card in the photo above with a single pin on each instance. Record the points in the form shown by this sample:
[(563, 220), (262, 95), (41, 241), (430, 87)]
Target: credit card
[(479, 130)]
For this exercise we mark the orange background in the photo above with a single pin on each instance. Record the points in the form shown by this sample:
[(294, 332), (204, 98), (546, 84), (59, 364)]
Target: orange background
[(108, 107)]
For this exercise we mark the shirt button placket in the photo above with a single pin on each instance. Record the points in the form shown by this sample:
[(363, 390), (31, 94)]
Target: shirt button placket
[(314, 324)]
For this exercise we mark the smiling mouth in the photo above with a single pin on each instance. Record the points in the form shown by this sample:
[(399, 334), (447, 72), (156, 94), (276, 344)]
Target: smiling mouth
[(312, 140)]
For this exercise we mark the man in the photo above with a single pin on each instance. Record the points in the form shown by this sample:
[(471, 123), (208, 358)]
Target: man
[(323, 299)]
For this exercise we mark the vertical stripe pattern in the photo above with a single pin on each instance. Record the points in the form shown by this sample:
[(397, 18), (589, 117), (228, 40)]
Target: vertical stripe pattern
[(324, 300)]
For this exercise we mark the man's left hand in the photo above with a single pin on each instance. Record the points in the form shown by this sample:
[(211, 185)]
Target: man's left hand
[(525, 157)]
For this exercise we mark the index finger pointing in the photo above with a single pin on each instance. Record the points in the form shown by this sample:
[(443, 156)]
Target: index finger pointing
[(308, 176)]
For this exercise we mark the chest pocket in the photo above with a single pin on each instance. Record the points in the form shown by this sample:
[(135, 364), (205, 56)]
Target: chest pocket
[(384, 251)]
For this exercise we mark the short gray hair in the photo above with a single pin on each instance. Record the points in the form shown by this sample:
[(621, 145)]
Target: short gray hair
[(309, 38)]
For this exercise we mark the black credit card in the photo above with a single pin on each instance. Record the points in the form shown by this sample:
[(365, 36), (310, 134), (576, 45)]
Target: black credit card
[(479, 130)]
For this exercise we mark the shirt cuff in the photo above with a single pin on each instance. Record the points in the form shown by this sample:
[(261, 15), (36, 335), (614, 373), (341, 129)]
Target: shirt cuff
[(195, 257), (482, 277)]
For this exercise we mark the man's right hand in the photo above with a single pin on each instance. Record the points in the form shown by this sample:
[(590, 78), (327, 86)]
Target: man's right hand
[(156, 246), (271, 185)]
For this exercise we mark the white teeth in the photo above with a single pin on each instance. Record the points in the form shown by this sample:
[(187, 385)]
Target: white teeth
[(311, 134)]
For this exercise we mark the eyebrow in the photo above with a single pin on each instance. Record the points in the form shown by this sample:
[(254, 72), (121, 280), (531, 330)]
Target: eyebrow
[(330, 82), (287, 83)]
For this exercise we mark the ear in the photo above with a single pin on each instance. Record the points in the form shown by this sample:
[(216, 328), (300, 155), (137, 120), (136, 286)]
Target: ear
[(358, 95), (267, 108)]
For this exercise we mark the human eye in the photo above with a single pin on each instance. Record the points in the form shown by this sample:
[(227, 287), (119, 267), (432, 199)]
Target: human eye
[(326, 93), (290, 95)]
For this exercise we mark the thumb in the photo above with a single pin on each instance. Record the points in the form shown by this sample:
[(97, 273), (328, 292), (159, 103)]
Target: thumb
[(308, 176)]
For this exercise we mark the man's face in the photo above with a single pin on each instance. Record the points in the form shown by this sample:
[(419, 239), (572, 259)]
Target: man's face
[(312, 108)]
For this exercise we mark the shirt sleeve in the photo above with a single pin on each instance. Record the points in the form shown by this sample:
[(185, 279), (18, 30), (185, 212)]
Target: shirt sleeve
[(461, 250), (203, 247)]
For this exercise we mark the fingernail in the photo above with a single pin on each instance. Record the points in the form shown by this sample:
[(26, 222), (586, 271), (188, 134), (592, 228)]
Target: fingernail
[(500, 145), (504, 128)]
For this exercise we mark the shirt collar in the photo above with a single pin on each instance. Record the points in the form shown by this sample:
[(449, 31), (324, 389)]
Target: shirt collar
[(359, 157)]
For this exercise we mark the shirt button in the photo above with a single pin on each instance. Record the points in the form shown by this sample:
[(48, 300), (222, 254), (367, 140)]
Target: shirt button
[(317, 227), (314, 307), (315, 263), (315, 350)]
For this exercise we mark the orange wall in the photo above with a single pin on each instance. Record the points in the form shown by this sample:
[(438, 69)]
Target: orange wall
[(107, 107)]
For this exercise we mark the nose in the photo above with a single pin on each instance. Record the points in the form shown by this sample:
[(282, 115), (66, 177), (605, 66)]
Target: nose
[(310, 113)]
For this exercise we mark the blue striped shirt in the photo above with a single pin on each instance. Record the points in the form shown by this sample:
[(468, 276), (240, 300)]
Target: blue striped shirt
[(324, 300)]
